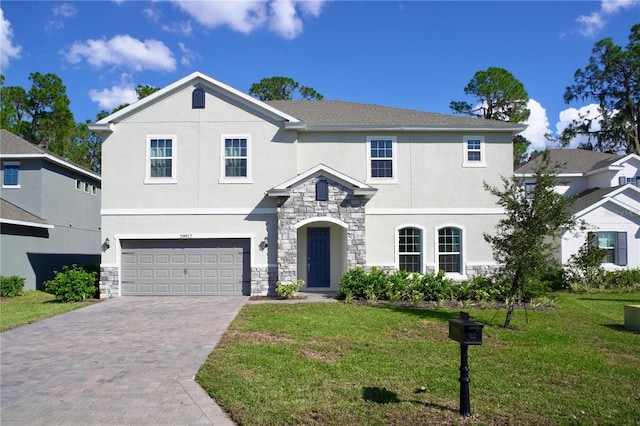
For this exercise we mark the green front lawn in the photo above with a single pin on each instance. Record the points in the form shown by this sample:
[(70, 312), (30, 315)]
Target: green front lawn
[(31, 307), (348, 364)]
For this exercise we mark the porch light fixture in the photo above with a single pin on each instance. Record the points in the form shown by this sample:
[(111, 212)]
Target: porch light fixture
[(107, 243)]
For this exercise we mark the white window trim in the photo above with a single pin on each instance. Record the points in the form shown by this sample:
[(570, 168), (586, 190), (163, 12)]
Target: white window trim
[(174, 161), (465, 152), (11, 163), (436, 248), (422, 244), (238, 179), (394, 160)]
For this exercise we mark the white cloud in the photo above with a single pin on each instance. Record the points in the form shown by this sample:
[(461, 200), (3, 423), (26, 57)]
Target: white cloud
[(591, 24), (187, 55), (8, 50), (65, 10), (108, 99), (567, 116), (538, 126), (280, 16), (183, 28), (124, 51)]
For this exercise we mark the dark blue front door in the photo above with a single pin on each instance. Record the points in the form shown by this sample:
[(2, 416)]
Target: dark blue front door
[(318, 264)]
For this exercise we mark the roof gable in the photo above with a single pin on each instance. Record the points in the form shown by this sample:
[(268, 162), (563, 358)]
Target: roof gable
[(593, 198), (359, 188), (14, 215), (195, 78)]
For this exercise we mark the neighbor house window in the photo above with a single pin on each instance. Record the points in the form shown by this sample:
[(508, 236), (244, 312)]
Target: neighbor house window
[(449, 250), (528, 189), (615, 246), (11, 172), (235, 159), (381, 158), (161, 159), (410, 249), (473, 151)]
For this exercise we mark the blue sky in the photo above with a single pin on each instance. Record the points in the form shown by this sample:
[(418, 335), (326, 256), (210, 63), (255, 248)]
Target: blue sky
[(409, 54)]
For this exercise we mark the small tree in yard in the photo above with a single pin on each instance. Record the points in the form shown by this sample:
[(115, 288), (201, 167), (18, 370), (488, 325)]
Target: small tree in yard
[(533, 223)]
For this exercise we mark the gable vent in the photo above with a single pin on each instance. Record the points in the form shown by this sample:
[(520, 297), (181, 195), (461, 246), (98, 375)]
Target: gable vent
[(197, 98)]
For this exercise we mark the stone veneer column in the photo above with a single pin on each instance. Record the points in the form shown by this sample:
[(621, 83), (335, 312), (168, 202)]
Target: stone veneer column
[(301, 205), (108, 282)]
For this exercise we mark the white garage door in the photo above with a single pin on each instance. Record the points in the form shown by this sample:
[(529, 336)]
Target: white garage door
[(185, 267)]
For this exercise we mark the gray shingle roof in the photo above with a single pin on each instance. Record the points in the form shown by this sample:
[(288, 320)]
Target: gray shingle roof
[(572, 161), (12, 212), (589, 197), (13, 144), (326, 113)]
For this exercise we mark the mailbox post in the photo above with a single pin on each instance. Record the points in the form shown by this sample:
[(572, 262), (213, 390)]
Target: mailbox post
[(466, 332)]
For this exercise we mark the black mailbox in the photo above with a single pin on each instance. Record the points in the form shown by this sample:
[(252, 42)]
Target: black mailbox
[(465, 331)]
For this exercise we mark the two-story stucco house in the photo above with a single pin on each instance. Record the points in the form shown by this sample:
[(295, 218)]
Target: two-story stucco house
[(207, 190), (49, 212), (607, 188)]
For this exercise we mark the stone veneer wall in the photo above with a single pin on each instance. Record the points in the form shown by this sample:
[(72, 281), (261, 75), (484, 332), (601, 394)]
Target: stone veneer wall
[(301, 205), (108, 282), (263, 280)]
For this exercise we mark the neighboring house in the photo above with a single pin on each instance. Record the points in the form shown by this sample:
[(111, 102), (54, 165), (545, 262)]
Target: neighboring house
[(607, 187), (210, 191), (49, 212)]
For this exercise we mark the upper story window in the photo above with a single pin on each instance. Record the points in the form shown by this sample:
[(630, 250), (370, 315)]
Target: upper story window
[(410, 249), (322, 190), (161, 159), (197, 98), (235, 157), (450, 250), (529, 187), (633, 180), (381, 158), (473, 151), (11, 174)]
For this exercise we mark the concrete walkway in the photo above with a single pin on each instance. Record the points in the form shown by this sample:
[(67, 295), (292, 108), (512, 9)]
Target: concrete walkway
[(129, 360)]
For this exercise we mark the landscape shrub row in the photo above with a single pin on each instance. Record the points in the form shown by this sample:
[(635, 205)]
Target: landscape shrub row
[(11, 286), (397, 285)]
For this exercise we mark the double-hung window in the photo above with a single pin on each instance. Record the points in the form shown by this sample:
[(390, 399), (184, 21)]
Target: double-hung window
[(236, 161), (161, 159), (615, 246), (473, 151), (381, 158), (410, 249), (450, 250), (11, 175)]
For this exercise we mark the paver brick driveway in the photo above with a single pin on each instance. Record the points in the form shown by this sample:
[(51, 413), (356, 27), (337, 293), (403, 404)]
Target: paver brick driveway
[(129, 360)]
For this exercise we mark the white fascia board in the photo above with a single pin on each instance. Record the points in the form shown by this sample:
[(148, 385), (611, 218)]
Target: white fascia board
[(437, 211), (25, 223), (610, 168), (626, 158), (559, 175), (374, 128), (185, 81), (187, 212), (284, 187), (53, 159), (605, 200)]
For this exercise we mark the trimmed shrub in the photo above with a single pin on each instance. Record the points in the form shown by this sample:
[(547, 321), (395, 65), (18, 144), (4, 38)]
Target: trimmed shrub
[(288, 290), (11, 286), (622, 280), (72, 284)]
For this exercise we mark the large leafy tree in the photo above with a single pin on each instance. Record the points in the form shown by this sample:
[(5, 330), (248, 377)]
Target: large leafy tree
[(282, 88), (498, 96), (527, 235), (612, 79), (42, 115)]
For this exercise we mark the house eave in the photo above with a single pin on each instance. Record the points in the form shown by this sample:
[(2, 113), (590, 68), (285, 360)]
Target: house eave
[(52, 159), (26, 223), (300, 126)]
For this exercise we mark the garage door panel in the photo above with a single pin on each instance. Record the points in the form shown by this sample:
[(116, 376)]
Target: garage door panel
[(185, 267)]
